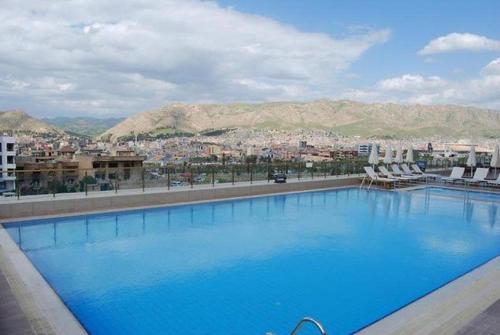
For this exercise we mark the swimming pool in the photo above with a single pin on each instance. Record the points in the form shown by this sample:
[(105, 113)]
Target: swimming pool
[(347, 257)]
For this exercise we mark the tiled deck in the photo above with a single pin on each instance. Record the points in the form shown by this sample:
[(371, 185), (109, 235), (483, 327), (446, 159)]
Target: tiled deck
[(486, 323), (12, 319)]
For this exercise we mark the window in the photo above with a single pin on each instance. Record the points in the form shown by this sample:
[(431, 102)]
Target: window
[(10, 146), (0, 147), (113, 165), (10, 159)]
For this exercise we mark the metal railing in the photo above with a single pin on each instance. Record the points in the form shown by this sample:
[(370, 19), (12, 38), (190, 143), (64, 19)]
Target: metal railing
[(76, 180), (305, 320)]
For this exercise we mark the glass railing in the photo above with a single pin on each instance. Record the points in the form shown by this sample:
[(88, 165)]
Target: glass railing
[(57, 181)]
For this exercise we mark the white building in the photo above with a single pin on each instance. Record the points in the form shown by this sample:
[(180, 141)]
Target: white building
[(364, 149), (7, 163)]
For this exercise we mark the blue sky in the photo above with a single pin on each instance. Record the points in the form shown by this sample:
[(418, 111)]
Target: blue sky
[(413, 25), (119, 57)]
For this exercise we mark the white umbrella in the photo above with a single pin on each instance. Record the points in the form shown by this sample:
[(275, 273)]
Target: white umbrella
[(409, 155), (388, 155), (495, 159), (373, 159), (471, 160), (399, 155)]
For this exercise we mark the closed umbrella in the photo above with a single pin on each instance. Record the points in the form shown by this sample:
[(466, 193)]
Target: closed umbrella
[(388, 155), (471, 160), (495, 159), (409, 155), (399, 155), (373, 159)]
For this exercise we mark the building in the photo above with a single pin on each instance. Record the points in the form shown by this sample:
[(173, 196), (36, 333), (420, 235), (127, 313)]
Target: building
[(7, 164), (124, 165), (45, 176), (364, 149)]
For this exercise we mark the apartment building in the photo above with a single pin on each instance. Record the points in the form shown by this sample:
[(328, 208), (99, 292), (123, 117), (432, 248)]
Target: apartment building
[(7, 163)]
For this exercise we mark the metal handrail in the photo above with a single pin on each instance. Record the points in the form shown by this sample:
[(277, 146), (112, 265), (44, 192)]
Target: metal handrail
[(310, 320)]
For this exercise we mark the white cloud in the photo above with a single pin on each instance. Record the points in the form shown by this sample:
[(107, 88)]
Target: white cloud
[(411, 83), (460, 42), (123, 56), (482, 90), (493, 68)]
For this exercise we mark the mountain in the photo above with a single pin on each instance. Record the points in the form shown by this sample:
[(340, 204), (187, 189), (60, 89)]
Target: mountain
[(19, 122), (343, 117), (86, 126)]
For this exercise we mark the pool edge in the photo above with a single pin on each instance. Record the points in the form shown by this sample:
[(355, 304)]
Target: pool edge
[(446, 309), (43, 307)]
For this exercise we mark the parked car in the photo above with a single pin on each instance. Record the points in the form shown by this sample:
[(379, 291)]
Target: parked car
[(279, 178)]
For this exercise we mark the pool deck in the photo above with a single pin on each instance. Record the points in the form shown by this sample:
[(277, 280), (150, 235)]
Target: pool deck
[(467, 305), (450, 309)]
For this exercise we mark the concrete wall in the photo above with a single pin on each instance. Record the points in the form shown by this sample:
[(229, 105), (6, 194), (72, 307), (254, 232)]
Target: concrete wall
[(100, 201)]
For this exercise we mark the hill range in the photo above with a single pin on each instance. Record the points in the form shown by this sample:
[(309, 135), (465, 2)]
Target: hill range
[(343, 117)]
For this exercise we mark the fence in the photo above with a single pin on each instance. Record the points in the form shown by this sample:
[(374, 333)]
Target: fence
[(35, 182)]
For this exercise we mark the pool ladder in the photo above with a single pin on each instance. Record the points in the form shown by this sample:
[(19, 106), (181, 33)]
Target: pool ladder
[(307, 319)]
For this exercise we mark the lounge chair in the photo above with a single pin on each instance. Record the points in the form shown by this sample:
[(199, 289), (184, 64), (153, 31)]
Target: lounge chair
[(457, 173), (397, 171), (374, 178), (408, 172), (385, 173), (417, 170), (495, 182), (479, 176)]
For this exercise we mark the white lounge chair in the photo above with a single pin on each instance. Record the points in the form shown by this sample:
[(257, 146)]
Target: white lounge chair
[(479, 176), (383, 170), (417, 170), (397, 171), (495, 182), (409, 172), (457, 173), (374, 178)]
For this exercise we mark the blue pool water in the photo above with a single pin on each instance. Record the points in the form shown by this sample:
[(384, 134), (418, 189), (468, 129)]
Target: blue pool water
[(346, 257)]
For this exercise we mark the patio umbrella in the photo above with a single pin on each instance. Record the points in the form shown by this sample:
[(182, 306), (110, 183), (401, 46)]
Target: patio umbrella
[(388, 155), (471, 160), (373, 159), (399, 155), (495, 159), (409, 155)]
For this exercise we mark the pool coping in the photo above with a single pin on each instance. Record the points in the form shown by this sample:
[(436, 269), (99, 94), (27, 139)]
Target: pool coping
[(44, 309), (54, 317), (448, 308)]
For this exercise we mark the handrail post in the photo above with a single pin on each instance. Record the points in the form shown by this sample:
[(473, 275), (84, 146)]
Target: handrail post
[(85, 183), (268, 171), (143, 181), (54, 186), (232, 174), (168, 179), (213, 177), (18, 191), (251, 174), (191, 179)]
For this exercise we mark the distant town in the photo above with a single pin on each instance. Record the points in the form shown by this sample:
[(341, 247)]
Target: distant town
[(26, 157)]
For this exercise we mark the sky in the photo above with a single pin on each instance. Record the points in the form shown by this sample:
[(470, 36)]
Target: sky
[(119, 57)]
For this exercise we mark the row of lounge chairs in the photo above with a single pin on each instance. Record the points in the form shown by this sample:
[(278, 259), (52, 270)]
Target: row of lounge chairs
[(479, 177), (403, 173)]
